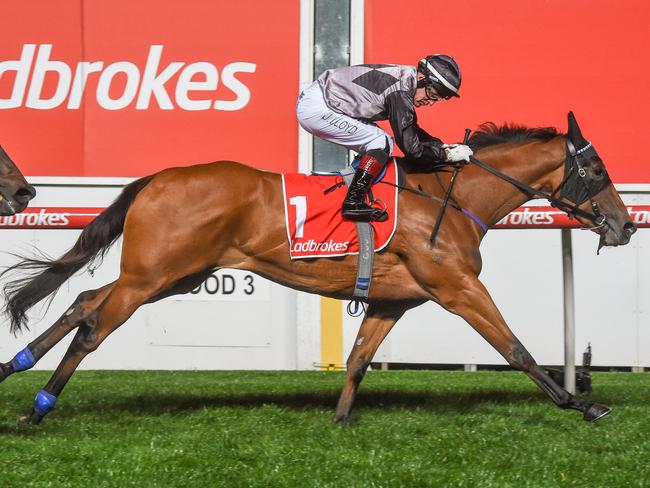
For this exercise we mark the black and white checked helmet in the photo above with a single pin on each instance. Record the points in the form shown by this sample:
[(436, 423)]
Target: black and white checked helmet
[(441, 72)]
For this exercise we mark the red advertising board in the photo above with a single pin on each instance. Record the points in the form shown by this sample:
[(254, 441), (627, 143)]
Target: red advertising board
[(126, 88), (530, 62)]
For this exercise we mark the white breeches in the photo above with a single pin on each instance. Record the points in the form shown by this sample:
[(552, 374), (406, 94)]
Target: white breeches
[(318, 119)]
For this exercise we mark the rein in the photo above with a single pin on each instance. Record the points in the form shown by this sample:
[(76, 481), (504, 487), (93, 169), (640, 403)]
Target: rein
[(571, 209)]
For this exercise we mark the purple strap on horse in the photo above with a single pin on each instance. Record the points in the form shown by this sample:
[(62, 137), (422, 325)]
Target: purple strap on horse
[(23, 360), (480, 223), (44, 402)]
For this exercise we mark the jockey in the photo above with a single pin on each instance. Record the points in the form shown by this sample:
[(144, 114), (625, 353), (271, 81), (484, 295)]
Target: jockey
[(343, 103)]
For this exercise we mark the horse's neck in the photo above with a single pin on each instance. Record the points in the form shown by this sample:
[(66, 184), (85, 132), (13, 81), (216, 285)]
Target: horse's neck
[(536, 163)]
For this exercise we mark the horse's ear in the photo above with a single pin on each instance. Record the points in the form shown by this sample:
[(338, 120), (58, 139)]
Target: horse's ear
[(574, 131)]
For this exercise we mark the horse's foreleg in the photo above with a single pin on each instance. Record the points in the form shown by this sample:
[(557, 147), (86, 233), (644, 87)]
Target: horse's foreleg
[(84, 304), (375, 327), (123, 298), (468, 298)]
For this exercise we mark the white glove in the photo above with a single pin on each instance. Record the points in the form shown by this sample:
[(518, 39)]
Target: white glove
[(457, 152)]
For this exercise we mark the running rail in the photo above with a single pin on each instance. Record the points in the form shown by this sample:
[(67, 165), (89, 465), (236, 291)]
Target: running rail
[(526, 217)]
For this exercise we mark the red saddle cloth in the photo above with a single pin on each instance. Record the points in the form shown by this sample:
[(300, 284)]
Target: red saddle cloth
[(315, 226)]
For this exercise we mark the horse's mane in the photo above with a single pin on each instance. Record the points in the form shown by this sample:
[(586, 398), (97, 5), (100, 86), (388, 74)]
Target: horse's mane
[(489, 134)]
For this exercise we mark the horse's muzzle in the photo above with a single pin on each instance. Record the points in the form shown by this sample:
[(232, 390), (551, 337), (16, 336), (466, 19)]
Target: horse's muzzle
[(628, 230), (617, 236), (15, 200)]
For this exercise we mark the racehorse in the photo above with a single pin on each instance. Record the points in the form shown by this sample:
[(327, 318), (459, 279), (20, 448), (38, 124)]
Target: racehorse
[(15, 192), (237, 212)]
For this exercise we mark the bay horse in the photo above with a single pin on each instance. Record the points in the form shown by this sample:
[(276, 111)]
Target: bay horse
[(238, 213), (15, 192)]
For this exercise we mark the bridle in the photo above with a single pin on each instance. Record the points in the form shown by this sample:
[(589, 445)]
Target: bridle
[(577, 187)]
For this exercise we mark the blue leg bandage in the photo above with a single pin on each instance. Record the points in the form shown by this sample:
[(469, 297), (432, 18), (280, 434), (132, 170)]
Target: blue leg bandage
[(44, 402), (23, 360)]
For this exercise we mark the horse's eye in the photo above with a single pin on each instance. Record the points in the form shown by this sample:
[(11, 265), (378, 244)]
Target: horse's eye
[(598, 170)]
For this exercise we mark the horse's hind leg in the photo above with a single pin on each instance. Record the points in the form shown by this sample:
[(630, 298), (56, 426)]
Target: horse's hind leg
[(84, 304), (375, 327), (122, 300), (110, 308), (466, 296), (80, 309)]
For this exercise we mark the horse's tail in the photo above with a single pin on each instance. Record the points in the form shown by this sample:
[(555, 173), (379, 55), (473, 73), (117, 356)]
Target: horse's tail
[(47, 275)]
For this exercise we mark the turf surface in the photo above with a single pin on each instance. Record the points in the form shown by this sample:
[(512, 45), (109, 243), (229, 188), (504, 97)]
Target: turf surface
[(410, 428)]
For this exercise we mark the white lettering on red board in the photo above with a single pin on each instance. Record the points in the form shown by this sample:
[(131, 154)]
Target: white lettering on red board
[(194, 89)]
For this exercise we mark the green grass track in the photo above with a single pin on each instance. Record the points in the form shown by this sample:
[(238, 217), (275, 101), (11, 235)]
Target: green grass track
[(267, 429)]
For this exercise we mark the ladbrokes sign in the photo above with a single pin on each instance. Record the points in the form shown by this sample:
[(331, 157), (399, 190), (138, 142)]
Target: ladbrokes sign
[(126, 88), (139, 86)]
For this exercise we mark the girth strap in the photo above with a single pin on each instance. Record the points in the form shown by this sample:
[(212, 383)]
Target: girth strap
[(366, 238)]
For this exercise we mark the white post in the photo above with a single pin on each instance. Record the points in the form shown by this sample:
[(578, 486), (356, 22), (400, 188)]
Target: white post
[(357, 31), (357, 41), (307, 305), (305, 77), (569, 314)]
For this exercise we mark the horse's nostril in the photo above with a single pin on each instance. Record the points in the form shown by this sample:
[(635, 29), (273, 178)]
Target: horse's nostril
[(629, 228), (25, 194)]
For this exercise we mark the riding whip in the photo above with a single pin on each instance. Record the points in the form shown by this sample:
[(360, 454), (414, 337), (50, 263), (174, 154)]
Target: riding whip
[(441, 214)]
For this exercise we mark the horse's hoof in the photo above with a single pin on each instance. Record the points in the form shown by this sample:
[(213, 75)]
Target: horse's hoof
[(4, 372), (596, 411), (342, 420), (33, 419)]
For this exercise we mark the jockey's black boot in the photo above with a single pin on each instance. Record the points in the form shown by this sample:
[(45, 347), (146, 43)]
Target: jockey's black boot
[(355, 206)]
